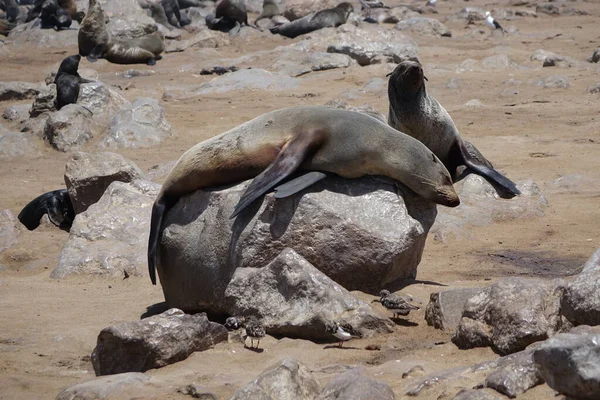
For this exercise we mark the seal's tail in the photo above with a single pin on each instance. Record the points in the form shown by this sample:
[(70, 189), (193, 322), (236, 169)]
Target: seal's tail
[(158, 211), (488, 172)]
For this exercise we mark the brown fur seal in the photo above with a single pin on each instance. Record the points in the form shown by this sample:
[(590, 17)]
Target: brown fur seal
[(418, 114), (331, 18), (309, 138), (95, 42), (68, 81), (229, 13), (57, 204)]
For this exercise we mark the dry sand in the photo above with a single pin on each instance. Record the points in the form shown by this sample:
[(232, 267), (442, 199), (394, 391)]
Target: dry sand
[(49, 327)]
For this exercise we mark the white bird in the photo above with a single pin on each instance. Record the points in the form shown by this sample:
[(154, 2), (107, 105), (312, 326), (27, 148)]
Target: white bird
[(431, 3), (339, 332), (492, 23)]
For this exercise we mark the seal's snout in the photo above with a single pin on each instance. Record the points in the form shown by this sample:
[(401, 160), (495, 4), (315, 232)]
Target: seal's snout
[(448, 197)]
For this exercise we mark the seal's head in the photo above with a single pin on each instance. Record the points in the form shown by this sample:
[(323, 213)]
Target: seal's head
[(431, 180), (69, 65), (407, 80), (346, 8)]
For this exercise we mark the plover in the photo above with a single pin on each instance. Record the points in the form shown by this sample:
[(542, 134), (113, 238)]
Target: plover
[(254, 330), (233, 323), (396, 304), (342, 335), (492, 23)]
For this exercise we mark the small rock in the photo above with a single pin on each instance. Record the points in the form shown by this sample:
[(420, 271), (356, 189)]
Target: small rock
[(9, 229), (580, 302), (69, 128), (286, 380), (547, 8), (154, 342), (14, 91), (570, 364), (444, 310), (595, 57), (594, 88), (44, 101), (474, 103), (356, 386), (106, 387), (553, 81), (133, 73), (87, 175), (17, 113), (198, 392), (424, 27)]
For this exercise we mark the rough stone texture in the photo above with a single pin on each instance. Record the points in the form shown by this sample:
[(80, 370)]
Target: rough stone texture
[(293, 298), (550, 59), (87, 175), (105, 387), (580, 302), (14, 91), (444, 310), (547, 8), (356, 386), (286, 380), (111, 237), (16, 113), (198, 392), (476, 394), (393, 15), (515, 377), (154, 342), (371, 47), (509, 315), (44, 101), (101, 100), (551, 82), (595, 57), (570, 364), (9, 229), (69, 128), (481, 205), (142, 124), (358, 232), (423, 26), (594, 88), (17, 144), (31, 34), (295, 63), (295, 9), (202, 40), (468, 14)]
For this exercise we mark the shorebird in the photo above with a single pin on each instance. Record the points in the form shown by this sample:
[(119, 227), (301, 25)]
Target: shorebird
[(431, 3), (233, 323), (342, 335), (254, 330), (492, 23), (396, 304)]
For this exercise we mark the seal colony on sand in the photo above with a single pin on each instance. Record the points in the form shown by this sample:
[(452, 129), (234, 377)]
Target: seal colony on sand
[(95, 42), (330, 18), (311, 138), (419, 115), (57, 204)]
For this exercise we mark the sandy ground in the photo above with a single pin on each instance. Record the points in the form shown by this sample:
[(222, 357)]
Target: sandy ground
[(49, 327)]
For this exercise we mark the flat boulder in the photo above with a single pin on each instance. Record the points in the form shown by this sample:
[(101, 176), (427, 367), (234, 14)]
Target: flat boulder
[(31, 34), (141, 124), (110, 238), (355, 385), (287, 379), (363, 233), (293, 298), (444, 309), (423, 26), (87, 175), (509, 315), (112, 387), (69, 128), (154, 342)]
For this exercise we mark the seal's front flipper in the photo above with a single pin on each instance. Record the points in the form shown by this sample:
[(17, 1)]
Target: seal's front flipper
[(91, 58), (289, 159), (297, 184)]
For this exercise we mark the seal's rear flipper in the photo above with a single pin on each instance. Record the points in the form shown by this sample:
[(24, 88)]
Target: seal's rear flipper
[(159, 208), (289, 159), (297, 184), (56, 204)]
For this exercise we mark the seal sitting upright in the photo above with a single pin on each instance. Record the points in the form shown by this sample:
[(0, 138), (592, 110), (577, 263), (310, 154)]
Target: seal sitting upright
[(95, 42), (419, 115), (309, 138)]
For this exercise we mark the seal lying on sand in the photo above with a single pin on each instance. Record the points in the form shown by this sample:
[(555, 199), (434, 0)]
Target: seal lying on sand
[(95, 42), (331, 18), (57, 204), (418, 114), (309, 138)]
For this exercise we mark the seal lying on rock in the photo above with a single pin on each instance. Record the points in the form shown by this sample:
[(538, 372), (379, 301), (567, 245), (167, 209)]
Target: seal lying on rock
[(57, 204), (318, 139), (331, 18), (416, 113), (95, 42)]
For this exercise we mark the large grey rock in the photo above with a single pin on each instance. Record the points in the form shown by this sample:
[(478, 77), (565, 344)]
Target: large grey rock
[(444, 310), (423, 26), (17, 144), (580, 302), (9, 229), (106, 387), (358, 232), (509, 315), (44, 101), (101, 100), (515, 377), (154, 342), (286, 380), (141, 124), (356, 386), (111, 237), (371, 47), (570, 364), (30, 34), (69, 128), (14, 91), (293, 298), (17, 113), (87, 175), (481, 205)]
